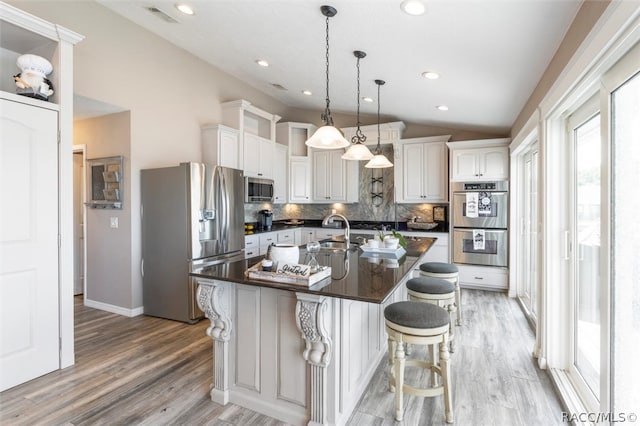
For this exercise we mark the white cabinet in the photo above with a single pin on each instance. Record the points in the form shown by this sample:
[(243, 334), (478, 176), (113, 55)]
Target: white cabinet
[(299, 180), (258, 156), (251, 246), (479, 160), (266, 240), (257, 132), (390, 133), (483, 277), (333, 179), (286, 237), (294, 135), (280, 174), (324, 233), (307, 234), (423, 171), (221, 146)]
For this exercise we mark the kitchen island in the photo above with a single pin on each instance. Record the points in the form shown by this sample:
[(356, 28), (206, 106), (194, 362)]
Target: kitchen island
[(260, 360)]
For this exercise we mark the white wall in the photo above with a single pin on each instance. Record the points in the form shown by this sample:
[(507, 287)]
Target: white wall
[(109, 250)]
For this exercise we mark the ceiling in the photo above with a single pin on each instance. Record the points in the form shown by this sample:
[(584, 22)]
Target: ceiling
[(490, 54)]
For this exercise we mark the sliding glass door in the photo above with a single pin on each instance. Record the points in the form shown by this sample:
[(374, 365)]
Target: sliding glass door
[(586, 284), (623, 83)]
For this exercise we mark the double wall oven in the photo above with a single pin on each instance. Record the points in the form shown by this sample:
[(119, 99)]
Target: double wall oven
[(480, 213)]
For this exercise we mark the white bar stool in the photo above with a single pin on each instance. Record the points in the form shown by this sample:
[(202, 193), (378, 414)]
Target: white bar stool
[(425, 324), (436, 291), (445, 271)]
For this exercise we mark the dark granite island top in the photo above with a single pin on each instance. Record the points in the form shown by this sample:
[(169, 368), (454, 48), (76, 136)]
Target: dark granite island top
[(355, 274)]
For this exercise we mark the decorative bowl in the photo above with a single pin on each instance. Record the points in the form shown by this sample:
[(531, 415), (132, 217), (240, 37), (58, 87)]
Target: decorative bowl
[(421, 225)]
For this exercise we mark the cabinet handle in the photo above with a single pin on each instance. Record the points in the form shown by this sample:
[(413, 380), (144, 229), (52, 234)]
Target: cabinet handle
[(478, 278), (259, 174)]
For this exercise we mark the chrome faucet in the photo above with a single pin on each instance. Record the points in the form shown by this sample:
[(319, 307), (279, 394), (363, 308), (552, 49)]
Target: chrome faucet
[(347, 230)]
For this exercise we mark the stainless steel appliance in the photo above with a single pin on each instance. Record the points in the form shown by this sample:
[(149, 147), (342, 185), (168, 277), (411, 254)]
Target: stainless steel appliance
[(192, 216), (480, 222), (258, 190)]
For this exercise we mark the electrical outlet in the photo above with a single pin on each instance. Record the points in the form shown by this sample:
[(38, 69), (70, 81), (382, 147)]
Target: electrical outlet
[(113, 222)]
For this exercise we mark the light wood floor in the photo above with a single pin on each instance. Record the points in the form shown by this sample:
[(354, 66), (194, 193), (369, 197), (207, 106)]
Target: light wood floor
[(149, 371)]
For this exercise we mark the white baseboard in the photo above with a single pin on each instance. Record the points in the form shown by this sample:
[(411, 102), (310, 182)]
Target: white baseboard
[(114, 309)]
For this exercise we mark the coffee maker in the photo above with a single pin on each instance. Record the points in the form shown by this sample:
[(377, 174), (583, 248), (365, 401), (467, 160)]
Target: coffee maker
[(265, 220)]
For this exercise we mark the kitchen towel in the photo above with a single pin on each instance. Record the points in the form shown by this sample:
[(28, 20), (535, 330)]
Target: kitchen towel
[(484, 204), (478, 239), (472, 204)]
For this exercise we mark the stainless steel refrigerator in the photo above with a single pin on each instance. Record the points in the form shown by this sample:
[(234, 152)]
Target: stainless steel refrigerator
[(192, 215)]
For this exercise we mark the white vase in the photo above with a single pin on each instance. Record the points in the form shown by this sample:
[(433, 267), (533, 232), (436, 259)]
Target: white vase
[(284, 253), (391, 242), (373, 243)]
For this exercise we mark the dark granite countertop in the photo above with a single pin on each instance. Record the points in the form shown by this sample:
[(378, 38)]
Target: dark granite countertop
[(355, 275), (355, 225)]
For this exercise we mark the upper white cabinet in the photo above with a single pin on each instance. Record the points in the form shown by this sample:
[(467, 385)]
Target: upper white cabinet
[(257, 135), (294, 135), (258, 156), (299, 180), (481, 160), (421, 170), (390, 133), (280, 174), (334, 180), (221, 146)]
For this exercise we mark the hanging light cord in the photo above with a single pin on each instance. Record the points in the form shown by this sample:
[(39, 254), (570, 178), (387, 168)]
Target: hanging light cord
[(359, 137), (326, 116), (378, 150)]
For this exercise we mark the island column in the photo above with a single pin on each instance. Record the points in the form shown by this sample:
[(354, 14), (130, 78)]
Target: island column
[(214, 298), (313, 321)]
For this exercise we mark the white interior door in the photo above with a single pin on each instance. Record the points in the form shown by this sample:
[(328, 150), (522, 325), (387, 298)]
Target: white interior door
[(28, 243)]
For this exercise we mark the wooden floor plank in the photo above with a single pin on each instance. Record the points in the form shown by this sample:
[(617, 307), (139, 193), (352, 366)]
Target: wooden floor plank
[(151, 371)]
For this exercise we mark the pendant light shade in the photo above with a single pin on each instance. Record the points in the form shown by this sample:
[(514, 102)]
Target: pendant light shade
[(358, 151), (379, 161), (327, 136)]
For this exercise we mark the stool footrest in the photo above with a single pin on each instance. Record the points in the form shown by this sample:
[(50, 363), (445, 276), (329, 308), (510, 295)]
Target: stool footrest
[(428, 392)]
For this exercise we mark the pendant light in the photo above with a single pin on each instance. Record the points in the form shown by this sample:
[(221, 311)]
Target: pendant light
[(327, 136), (379, 161), (358, 151)]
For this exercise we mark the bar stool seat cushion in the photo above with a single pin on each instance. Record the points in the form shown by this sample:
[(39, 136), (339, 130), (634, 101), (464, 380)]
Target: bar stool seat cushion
[(430, 285), (439, 267), (416, 315)]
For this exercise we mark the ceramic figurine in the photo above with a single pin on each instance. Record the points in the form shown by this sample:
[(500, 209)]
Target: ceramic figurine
[(32, 80)]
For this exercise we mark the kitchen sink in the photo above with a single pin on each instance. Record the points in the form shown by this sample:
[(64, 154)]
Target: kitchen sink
[(337, 245)]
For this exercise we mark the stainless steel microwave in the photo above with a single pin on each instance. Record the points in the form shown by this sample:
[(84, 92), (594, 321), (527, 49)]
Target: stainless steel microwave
[(258, 190)]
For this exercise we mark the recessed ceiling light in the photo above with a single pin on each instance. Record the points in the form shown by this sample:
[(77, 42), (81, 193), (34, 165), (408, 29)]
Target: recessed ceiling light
[(413, 7), (185, 8), (431, 75), (262, 62), (443, 107), (367, 99), (307, 92)]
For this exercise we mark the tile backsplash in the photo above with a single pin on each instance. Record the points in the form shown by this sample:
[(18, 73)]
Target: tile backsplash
[(376, 202)]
